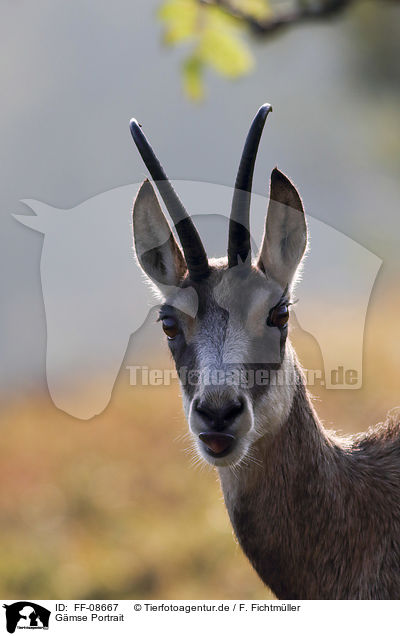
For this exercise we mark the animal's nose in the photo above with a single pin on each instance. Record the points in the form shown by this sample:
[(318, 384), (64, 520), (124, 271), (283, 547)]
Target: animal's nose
[(219, 418), (218, 435)]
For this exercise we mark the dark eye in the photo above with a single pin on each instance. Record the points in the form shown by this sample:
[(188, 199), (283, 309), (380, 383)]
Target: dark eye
[(278, 316), (170, 327)]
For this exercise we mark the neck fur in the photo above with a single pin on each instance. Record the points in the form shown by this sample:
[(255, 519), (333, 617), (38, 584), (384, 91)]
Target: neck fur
[(299, 510)]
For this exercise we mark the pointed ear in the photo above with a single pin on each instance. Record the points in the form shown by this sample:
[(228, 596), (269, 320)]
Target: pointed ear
[(285, 236), (156, 248)]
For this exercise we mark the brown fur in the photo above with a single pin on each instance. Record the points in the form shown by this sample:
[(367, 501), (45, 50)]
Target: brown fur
[(320, 519)]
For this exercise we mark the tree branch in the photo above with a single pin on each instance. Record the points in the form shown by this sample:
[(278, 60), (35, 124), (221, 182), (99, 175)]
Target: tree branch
[(304, 12)]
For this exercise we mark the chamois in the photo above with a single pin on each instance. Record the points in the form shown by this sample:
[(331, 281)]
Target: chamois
[(318, 516)]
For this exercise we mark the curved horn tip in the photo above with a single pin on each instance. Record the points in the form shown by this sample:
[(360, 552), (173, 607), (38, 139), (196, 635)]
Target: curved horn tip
[(264, 110), (134, 126)]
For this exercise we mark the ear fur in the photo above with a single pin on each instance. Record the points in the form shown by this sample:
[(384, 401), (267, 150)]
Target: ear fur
[(157, 251), (285, 236)]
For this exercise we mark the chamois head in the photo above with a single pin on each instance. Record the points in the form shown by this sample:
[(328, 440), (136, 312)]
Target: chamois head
[(226, 320)]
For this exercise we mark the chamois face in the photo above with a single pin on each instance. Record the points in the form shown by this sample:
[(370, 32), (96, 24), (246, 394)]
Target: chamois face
[(230, 357), (227, 332)]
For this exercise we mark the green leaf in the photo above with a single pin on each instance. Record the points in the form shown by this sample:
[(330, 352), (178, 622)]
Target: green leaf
[(180, 20), (193, 78), (172, 9), (225, 52), (220, 19), (215, 36)]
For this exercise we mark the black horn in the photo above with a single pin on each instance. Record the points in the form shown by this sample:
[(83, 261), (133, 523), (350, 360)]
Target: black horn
[(239, 230), (195, 255)]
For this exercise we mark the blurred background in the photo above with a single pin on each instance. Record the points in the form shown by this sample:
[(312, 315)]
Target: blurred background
[(111, 507)]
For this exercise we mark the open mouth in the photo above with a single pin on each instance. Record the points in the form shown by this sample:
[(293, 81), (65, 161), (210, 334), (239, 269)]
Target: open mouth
[(217, 444)]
